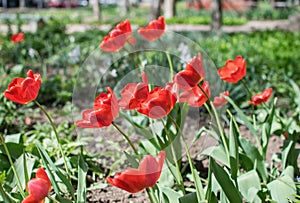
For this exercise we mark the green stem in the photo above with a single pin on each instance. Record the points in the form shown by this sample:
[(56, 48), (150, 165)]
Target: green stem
[(151, 195), (13, 166), (5, 196), (51, 198), (126, 138), (220, 130), (247, 88), (217, 120), (174, 158), (189, 159), (56, 136), (169, 59), (171, 65)]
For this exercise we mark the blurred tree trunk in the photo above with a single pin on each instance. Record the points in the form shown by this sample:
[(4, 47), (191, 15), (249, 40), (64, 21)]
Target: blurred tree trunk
[(21, 4), (216, 16), (155, 10), (96, 10), (125, 5), (4, 4), (40, 3), (169, 8)]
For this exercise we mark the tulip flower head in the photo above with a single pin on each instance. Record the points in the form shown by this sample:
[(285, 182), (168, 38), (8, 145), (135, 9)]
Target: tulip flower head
[(38, 188), (154, 30), (195, 97), (159, 103), (261, 98), (17, 38), (104, 112), (24, 90), (146, 175), (116, 38), (220, 100), (134, 94), (234, 70), (192, 75)]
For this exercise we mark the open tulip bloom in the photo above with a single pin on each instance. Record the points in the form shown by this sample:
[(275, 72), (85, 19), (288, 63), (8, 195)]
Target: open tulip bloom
[(17, 38), (38, 188), (117, 37), (154, 30), (261, 98), (104, 112), (146, 175), (24, 90), (234, 70)]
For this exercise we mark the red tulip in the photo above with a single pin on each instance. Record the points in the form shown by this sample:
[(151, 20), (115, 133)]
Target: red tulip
[(195, 97), (261, 98), (220, 100), (38, 188), (154, 30), (192, 75), (159, 103), (116, 38), (24, 90), (105, 111), (133, 94), (146, 175), (17, 38), (234, 70)]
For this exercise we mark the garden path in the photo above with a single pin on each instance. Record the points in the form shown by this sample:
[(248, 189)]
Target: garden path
[(291, 24)]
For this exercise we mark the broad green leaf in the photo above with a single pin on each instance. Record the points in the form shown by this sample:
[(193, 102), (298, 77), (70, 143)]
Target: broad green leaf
[(199, 184), (252, 152), (189, 198), (249, 185), (286, 152), (282, 189), (267, 127), (5, 196), (233, 150), (243, 117), (218, 153), (14, 138), (166, 178), (19, 166), (226, 183), (81, 185), (172, 196), (174, 171), (132, 160), (51, 167), (15, 150)]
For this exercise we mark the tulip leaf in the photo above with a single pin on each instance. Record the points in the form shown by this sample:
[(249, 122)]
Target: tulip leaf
[(19, 166), (233, 149), (15, 150), (132, 160), (226, 183), (189, 198), (81, 185), (171, 195), (48, 163), (4, 196), (249, 185), (243, 117), (266, 128), (282, 189), (218, 153), (252, 152)]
